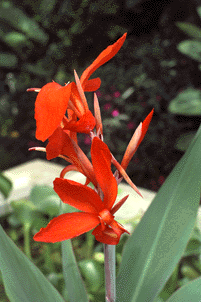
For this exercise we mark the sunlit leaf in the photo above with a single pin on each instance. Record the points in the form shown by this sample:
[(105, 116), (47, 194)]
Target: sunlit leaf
[(190, 29), (187, 102), (191, 48)]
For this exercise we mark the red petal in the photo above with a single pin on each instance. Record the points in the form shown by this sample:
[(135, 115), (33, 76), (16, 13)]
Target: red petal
[(77, 195), (136, 140), (67, 226), (108, 236), (85, 124), (84, 163), (50, 107), (145, 126), (104, 56), (61, 144), (101, 160), (118, 205), (55, 144), (92, 85), (125, 175), (97, 113)]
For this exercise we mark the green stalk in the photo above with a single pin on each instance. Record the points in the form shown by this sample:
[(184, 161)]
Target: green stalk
[(27, 248), (110, 273), (90, 239)]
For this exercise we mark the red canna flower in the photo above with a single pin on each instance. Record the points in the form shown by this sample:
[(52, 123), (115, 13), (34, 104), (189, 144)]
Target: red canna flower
[(97, 210), (53, 99)]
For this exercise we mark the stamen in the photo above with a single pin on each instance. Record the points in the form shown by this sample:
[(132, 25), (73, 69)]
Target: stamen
[(34, 89)]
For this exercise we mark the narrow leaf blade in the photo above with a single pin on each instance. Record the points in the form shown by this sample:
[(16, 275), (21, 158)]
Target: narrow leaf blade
[(158, 242), (189, 292), (23, 281)]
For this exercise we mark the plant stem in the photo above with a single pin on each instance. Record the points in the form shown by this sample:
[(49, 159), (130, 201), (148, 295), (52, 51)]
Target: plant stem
[(90, 239), (27, 248), (110, 273)]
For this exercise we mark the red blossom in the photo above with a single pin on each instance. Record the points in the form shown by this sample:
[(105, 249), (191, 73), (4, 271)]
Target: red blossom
[(53, 99), (95, 212)]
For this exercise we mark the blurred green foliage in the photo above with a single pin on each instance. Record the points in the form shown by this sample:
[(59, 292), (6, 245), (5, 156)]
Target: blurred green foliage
[(45, 40)]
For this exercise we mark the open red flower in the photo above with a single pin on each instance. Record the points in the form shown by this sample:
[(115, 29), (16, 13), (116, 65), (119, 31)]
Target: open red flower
[(53, 99), (96, 212)]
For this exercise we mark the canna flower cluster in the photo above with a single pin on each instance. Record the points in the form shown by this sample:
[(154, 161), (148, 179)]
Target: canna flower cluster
[(61, 112)]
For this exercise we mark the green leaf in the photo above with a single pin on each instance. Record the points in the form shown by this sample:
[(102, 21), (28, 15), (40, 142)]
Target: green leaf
[(190, 29), (23, 281), (187, 102), (190, 292), (8, 60), (5, 185), (194, 244), (93, 274), (198, 8), (47, 201), (183, 142), (191, 48), (170, 285), (19, 20), (159, 240), (25, 211), (73, 281), (17, 41)]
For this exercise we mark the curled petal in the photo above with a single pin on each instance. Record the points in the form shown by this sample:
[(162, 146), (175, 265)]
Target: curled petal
[(50, 107), (92, 85), (68, 169), (77, 195), (85, 124), (67, 226), (109, 235), (104, 56), (101, 160)]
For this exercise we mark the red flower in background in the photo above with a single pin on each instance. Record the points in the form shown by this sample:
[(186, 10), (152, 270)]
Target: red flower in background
[(53, 99), (97, 210)]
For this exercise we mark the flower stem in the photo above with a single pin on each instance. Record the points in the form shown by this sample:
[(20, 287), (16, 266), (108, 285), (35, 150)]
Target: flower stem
[(27, 248), (110, 273)]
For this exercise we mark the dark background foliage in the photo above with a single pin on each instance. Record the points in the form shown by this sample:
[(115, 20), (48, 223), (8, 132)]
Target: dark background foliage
[(46, 39)]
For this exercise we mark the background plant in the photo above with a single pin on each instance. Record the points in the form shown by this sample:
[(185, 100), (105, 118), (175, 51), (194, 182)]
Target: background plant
[(146, 74)]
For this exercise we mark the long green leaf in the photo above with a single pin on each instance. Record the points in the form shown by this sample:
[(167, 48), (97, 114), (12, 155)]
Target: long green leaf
[(159, 240), (189, 292), (23, 281), (5, 185), (73, 281)]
